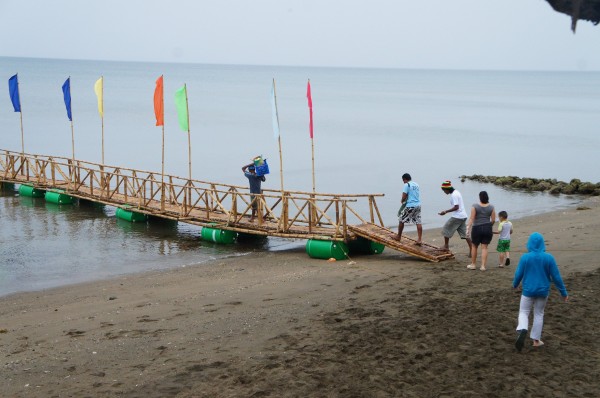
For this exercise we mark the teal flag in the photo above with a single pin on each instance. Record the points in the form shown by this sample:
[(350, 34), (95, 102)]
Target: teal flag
[(182, 108)]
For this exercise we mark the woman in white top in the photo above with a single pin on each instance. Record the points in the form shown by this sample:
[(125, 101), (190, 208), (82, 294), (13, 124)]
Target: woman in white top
[(480, 225)]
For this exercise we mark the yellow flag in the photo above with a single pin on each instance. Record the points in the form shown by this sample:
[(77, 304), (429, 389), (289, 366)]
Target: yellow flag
[(99, 88)]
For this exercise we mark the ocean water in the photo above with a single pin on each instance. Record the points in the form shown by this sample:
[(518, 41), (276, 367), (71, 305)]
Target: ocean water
[(371, 126)]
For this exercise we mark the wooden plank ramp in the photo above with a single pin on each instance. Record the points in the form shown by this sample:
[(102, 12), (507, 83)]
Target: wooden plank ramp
[(407, 245)]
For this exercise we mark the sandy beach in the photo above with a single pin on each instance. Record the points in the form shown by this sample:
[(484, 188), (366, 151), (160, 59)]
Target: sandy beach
[(281, 324)]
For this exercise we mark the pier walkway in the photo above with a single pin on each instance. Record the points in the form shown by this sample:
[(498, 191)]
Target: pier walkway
[(287, 214)]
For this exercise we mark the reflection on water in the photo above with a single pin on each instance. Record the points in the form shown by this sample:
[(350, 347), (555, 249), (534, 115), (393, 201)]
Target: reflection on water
[(45, 245)]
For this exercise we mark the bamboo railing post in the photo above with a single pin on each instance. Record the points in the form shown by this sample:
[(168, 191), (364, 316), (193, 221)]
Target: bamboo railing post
[(371, 209), (102, 178), (311, 214), (259, 207), (285, 211), (337, 209), (344, 223), (125, 188), (206, 202), (52, 172), (92, 182), (234, 210)]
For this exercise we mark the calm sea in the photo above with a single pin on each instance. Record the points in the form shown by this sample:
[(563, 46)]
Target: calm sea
[(371, 126)]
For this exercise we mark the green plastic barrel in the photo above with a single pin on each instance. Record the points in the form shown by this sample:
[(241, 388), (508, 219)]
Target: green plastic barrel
[(58, 197), (131, 216), (365, 246), (29, 190), (217, 235), (326, 249)]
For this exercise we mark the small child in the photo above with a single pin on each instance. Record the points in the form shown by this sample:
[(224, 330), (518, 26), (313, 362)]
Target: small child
[(505, 229)]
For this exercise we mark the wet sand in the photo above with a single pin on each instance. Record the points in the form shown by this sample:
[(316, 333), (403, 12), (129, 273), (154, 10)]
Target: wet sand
[(281, 324)]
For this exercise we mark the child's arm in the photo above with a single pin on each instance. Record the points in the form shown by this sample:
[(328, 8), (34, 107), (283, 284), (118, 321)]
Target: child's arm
[(499, 229)]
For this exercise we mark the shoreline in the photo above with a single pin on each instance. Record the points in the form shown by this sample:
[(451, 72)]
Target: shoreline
[(409, 230), (283, 324)]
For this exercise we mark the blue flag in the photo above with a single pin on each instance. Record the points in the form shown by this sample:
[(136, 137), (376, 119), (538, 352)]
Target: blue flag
[(13, 90), (67, 93)]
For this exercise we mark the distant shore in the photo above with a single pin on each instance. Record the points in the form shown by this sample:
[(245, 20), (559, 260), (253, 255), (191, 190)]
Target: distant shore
[(283, 324)]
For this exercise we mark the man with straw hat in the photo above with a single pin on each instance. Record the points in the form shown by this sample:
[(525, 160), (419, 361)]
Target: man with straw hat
[(458, 221)]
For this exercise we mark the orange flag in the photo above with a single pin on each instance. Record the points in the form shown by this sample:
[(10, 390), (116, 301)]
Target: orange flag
[(159, 102)]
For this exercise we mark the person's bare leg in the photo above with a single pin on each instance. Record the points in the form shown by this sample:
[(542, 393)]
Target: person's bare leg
[(484, 255), (419, 234), (446, 243), (469, 243), (400, 229), (501, 260), (473, 255)]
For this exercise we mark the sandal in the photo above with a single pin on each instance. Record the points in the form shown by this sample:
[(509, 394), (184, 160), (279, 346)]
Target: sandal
[(471, 266)]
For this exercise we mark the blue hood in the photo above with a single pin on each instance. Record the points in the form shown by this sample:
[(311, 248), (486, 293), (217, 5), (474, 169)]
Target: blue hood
[(536, 244)]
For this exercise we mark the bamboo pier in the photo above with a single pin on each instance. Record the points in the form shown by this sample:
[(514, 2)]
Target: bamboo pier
[(286, 214)]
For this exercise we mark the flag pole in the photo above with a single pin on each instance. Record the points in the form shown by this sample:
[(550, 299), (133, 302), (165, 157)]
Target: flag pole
[(160, 118), (187, 111), (312, 144), (312, 141), (162, 176), (278, 137), (21, 116), (22, 139), (73, 142), (22, 133), (102, 116), (72, 130)]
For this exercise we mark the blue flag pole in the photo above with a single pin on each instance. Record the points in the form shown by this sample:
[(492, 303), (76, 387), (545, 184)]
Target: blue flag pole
[(66, 88), (15, 98)]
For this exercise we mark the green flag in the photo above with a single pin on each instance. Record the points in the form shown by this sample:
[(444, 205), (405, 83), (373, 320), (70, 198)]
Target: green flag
[(182, 108)]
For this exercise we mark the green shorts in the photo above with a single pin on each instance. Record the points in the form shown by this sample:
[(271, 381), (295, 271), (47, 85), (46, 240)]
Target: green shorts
[(503, 246)]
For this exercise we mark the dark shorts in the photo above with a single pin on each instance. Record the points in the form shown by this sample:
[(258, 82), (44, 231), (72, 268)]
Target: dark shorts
[(482, 234)]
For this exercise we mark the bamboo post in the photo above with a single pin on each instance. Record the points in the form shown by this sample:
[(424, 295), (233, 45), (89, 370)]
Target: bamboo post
[(187, 111), (102, 125), (102, 115), (162, 174), (234, 210), (312, 141), (278, 138), (22, 139), (285, 212), (344, 224)]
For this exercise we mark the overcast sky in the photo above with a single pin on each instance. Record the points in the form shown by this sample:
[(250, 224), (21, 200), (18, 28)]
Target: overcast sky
[(432, 34)]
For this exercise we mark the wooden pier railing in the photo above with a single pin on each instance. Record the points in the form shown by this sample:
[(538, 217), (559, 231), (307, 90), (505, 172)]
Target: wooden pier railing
[(292, 214)]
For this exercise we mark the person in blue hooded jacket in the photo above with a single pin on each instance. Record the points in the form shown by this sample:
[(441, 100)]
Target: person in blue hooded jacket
[(536, 270)]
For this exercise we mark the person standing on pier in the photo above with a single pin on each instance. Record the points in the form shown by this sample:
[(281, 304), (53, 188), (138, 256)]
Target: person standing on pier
[(410, 211), (458, 221), (255, 186)]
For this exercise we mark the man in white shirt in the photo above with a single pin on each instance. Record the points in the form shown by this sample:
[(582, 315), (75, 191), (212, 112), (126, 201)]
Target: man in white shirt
[(458, 221)]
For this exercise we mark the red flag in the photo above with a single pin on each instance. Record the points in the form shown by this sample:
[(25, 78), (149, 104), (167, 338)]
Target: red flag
[(159, 102), (309, 96)]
